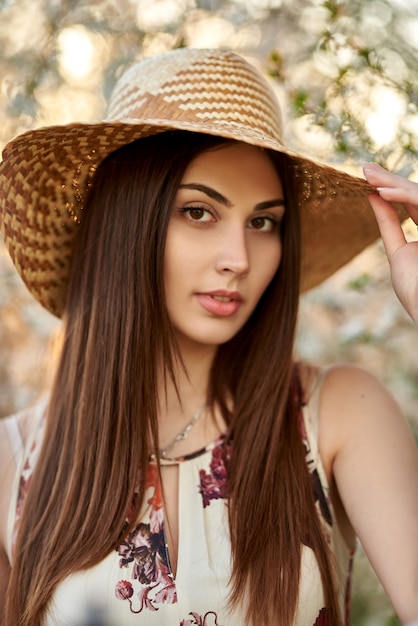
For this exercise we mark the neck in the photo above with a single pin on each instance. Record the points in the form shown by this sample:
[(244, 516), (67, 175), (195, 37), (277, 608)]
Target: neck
[(178, 403), (191, 383)]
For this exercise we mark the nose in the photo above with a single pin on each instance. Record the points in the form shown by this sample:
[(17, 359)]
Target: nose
[(233, 253)]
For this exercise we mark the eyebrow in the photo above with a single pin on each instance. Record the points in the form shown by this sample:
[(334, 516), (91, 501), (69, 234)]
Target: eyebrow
[(215, 195)]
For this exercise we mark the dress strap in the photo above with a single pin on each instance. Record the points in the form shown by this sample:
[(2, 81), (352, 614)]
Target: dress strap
[(311, 412), (15, 437)]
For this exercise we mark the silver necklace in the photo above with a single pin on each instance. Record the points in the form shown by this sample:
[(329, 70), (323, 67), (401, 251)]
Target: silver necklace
[(183, 434)]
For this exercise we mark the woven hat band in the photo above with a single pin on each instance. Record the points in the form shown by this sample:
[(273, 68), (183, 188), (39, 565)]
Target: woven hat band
[(200, 90)]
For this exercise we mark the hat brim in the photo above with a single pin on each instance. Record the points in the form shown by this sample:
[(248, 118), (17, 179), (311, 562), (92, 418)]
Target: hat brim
[(46, 173)]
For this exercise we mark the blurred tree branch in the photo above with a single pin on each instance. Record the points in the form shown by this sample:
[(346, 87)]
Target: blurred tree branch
[(362, 49)]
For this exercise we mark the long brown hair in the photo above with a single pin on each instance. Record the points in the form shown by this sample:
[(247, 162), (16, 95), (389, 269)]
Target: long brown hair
[(102, 416)]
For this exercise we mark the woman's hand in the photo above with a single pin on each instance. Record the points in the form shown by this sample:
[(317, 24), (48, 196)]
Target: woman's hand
[(402, 256)]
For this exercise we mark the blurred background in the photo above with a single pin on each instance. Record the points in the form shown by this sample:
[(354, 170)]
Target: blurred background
[(346, 74)]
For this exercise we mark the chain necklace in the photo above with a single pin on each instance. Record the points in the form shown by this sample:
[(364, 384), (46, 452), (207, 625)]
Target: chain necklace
[(183, 434)]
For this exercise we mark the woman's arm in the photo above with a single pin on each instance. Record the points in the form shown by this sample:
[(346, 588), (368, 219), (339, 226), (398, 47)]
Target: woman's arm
[(372, 456), (403, 256)]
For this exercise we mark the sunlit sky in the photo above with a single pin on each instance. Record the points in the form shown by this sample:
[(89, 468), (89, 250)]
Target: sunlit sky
[(76, 56)]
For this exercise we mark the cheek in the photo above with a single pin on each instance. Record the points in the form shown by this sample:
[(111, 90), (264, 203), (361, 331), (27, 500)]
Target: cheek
[(180, 259)]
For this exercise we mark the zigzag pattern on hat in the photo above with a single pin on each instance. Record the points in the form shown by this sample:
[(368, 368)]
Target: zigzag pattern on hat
[(221, 86)]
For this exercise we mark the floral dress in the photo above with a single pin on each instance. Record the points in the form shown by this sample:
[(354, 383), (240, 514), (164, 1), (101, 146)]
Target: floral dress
[(134, 585)]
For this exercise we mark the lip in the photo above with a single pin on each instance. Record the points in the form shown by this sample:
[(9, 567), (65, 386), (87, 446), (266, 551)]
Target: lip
[(208, 300)]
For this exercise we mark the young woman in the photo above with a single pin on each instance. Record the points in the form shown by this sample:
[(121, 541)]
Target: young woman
[(184, 469)]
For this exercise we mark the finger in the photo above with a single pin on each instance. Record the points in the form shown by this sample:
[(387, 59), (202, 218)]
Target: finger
[(407, 194), (378, 176), (391, 186), (389, 224)]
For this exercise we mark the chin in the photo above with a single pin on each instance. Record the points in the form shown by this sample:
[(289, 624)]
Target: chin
[(209, 332), (209, 338), (209, 341)]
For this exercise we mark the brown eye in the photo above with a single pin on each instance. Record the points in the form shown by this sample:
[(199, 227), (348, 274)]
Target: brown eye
[(258, 222), (196, 213), (263, 223)]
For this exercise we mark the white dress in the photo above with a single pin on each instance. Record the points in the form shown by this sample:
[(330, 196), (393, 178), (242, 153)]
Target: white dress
[(134, 584)]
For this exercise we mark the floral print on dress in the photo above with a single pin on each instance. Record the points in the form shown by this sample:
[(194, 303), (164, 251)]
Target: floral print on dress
[(208, 619), (320, 497), (213, 484), (322, 619), (145, 551)]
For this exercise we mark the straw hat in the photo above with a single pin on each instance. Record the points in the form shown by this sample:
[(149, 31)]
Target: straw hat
[(45, 173)]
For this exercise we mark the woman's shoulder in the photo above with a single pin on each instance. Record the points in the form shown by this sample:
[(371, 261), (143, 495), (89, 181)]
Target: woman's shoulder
[(360, 424), (338, 383), (351, 415), (349, 391), (344, 401)]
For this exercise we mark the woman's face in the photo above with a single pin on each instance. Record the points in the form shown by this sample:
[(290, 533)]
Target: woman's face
[(223, 242)]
